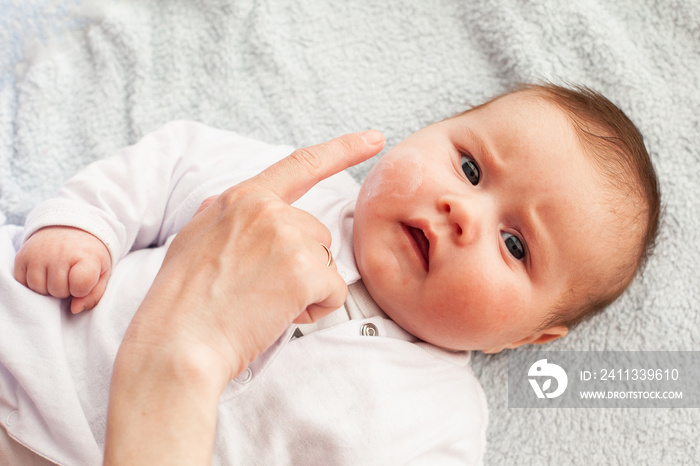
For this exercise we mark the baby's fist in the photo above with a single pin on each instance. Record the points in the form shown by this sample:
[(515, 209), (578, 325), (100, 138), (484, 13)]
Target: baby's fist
[(63, 262)]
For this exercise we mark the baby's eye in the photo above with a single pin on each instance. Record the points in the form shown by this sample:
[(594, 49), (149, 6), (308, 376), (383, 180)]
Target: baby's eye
[(514, 245), (470, 169)]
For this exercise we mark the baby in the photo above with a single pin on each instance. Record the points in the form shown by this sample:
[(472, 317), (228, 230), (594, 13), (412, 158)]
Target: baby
[(505, 225)]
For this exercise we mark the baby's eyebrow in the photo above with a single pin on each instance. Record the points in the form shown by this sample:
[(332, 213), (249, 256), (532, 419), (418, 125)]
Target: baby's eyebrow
[(481, 147), (485, 151), (536, 238)]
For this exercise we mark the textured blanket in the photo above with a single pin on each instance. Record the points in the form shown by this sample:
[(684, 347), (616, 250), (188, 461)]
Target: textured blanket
[(82, 78)]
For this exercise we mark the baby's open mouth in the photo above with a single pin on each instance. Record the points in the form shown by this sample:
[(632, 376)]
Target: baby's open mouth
[(420, 243)]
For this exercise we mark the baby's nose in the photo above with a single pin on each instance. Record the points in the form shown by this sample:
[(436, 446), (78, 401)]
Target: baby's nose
[(465, 218)]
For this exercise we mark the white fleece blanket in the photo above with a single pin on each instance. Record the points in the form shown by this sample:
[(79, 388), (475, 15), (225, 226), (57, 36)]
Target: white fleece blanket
[(81, 78)]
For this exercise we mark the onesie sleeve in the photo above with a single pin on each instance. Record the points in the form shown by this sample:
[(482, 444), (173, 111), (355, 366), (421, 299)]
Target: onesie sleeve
[(148, 191)]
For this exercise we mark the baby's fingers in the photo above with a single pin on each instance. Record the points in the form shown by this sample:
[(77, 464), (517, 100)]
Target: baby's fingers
[(35, 278), (87, 281), (20, 271), (83, 277), (57, 281), (90, 300)]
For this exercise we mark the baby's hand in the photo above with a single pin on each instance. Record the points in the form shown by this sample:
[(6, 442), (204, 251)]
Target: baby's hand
[(62, 262)]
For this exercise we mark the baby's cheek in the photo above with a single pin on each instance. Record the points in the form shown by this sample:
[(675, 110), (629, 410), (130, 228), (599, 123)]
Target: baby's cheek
[(501, 310), (511, 319), (504, 317), (395, 175)]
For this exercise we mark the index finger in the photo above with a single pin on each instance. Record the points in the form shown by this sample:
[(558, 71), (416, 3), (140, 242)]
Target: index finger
[(294, 175)]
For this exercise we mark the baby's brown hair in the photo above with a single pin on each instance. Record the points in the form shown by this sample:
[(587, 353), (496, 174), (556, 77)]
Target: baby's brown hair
[(618, 152)]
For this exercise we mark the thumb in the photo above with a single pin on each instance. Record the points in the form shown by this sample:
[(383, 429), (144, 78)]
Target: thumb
[(294, 175)]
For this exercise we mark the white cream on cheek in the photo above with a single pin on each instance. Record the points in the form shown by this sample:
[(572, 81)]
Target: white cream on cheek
[(396, 175)]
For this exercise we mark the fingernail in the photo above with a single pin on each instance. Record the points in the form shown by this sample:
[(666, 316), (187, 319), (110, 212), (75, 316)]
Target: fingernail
[(372, 137)]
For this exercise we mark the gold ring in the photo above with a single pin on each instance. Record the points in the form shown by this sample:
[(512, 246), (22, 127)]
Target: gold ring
[(330, 256)]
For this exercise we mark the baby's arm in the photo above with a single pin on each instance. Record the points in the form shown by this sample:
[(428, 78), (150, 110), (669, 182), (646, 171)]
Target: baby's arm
[(64, 262), (148, 191), (133, 200)]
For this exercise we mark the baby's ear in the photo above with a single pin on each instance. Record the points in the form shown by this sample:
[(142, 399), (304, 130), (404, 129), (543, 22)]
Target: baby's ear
[(552, 333), (537, 338)]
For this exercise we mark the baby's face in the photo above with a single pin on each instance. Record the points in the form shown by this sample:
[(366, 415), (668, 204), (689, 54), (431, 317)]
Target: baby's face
[(469, 232)]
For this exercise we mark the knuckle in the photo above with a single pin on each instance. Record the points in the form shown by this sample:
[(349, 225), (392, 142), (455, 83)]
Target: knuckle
[(307, 160), (264, 211), (245, 197), (347, 144), (233, 195), (36, 280), (229, 197), (303, 261), (300, 263)]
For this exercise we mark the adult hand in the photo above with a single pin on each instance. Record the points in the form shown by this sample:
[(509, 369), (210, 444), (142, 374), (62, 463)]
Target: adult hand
[(234, 278), (256, 261)]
